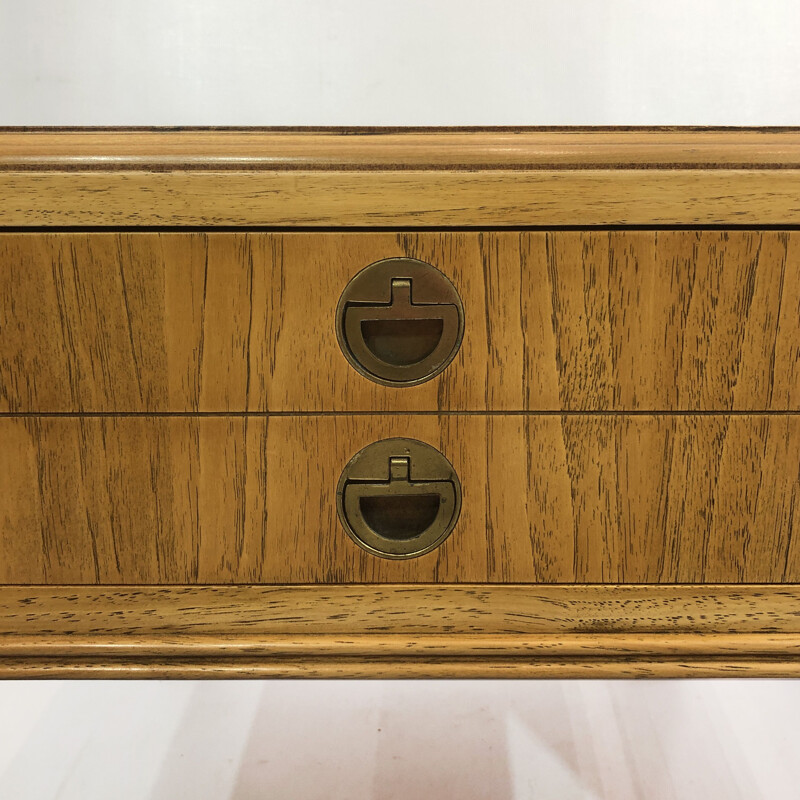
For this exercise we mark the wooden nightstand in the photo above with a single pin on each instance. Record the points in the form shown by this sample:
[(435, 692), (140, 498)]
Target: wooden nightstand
[(442, 403)]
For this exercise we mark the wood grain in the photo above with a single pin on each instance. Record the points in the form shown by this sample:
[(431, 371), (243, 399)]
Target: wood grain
[(227, 322), (401, 198), (476, 667), (399, 631), (174, 410), (606, 498), (493, 148), (258, 612)]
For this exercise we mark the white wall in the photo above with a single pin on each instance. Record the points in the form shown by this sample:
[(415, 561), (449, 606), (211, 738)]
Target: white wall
[(417, 62), (355, 62)]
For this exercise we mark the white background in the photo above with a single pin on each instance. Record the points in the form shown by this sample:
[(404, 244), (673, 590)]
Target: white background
[(417, 62), (211, 62)]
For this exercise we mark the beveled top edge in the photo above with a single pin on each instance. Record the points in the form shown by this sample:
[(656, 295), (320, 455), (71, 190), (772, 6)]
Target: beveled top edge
[(393, 149)]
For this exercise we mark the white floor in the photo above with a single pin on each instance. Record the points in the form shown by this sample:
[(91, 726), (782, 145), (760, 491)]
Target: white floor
[(399, 739)]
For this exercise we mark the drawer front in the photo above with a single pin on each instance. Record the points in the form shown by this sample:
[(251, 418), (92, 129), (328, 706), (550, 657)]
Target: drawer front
[(562, 320), (546, 498)]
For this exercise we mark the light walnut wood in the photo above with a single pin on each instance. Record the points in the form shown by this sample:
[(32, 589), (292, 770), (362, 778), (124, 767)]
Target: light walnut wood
[(397, 631), (579, 498), (431, 178), (189, 613), (492, 148), (619, 320), (175, 412), (401, 198), (350, 668), (394, 646)]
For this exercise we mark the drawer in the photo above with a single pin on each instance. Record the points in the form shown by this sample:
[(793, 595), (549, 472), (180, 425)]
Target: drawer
[(609, 498), (203, 473), (554, 320)]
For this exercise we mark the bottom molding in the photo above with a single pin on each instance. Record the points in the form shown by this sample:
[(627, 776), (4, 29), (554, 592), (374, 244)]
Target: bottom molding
[(400, 631)]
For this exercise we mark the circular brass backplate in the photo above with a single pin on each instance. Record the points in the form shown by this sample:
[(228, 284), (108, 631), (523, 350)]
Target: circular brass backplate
[(398, 498), (400, 321)]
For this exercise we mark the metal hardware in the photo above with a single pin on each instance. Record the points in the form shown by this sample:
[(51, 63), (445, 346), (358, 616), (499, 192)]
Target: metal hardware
[(400, 321), (398, 498)]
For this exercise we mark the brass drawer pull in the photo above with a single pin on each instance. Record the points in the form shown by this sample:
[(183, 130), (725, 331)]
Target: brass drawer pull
[(400, 321), (398, 498)]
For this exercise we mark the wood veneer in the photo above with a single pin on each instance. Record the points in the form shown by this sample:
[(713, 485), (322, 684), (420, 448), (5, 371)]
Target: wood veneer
[(401, 198), (174, 411), (400, 631), (576, 498), (322, 149), (230, 322), (432, 178)]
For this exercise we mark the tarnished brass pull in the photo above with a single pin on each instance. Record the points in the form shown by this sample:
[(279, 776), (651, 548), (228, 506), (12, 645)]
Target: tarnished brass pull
[(400, 321), (398, 498)]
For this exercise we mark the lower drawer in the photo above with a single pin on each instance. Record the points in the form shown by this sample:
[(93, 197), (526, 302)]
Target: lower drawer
[(547, 498)]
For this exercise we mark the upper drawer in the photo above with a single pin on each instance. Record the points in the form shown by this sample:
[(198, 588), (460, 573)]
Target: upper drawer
[(625, 320)]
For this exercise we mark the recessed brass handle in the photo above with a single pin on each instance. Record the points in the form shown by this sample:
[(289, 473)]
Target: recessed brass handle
[(400, 321), (398, 498)]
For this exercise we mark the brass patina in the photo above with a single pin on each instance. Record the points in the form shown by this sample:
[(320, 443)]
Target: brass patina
[(398, 498), (400, 321)]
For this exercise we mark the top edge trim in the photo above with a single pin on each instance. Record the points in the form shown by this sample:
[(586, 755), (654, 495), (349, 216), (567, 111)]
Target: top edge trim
[(329, 149)]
